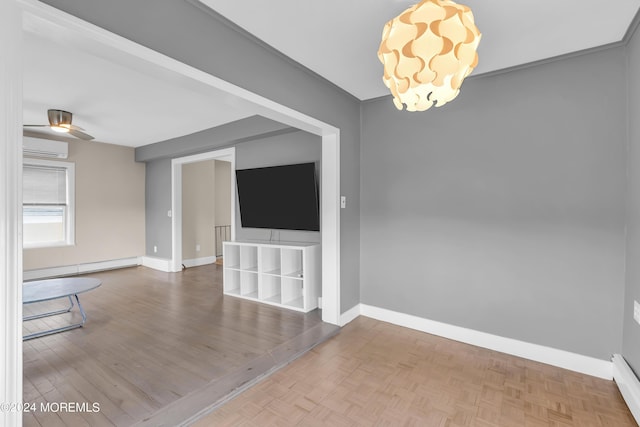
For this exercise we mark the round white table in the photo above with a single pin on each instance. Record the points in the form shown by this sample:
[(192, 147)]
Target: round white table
[(50, 289)]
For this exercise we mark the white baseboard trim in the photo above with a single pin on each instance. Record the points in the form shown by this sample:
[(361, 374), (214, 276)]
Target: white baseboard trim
[(350, 315), (199, 261), (628, 384), (72, 270), (539, 353), (160, 264), (108, 265)]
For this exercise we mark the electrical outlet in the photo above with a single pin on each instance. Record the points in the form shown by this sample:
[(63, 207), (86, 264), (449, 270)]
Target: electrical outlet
[(343, 202), (636, 311), (169, 213), (197, 248), (155, 249)]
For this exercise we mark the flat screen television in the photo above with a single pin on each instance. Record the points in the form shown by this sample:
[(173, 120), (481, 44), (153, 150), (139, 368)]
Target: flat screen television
[(279, 197)]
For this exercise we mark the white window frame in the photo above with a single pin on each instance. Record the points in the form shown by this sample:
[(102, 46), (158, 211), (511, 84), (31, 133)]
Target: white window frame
[(70, 217)]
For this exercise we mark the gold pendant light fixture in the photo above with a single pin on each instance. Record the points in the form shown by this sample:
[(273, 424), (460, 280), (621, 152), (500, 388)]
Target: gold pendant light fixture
[(427, 51)]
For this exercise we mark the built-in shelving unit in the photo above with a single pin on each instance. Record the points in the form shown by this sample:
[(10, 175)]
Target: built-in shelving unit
[(282, 274)]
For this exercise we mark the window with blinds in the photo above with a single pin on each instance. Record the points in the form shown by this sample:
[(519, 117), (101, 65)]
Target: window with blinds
[(47, 203)]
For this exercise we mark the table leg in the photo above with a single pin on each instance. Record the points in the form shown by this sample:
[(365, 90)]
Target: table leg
[(84, 316), (61, 329), (51, 313)]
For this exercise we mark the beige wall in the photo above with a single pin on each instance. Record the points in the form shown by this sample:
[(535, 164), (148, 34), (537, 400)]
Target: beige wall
[(223, 192), (198, 209), (110, 204)]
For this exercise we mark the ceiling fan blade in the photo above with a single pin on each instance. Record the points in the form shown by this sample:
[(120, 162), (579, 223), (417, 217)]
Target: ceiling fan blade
[(79, 134), (73, 127), (35, 126)]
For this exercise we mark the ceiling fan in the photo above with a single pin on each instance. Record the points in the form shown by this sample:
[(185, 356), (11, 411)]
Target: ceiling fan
[(60, 121)]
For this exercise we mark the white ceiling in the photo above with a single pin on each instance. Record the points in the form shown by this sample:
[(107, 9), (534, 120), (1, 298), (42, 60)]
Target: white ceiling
[(339, 39), (115, 103), (126, 103)]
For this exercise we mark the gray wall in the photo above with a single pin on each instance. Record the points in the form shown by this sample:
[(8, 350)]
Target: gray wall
[(157, 204), (183, 31), (503, 211), (287, 148), (631, 342), (225, 135)]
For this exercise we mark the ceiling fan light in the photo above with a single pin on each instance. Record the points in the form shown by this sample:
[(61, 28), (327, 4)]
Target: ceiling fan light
[(60, 128), (427, 51)]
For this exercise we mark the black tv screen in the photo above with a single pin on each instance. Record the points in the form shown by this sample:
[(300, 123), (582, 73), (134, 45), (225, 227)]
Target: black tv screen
[(279, 197)]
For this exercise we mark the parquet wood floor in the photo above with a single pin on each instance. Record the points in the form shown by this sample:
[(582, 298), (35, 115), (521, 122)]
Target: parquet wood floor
[(376, 374), (153, 340)]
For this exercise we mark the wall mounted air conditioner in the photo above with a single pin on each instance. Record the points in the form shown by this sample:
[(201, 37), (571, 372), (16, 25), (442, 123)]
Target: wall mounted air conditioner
[(36, 147)]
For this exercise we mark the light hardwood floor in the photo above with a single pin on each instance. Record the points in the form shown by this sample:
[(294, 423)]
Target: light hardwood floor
[(374, 373), (157, 348)]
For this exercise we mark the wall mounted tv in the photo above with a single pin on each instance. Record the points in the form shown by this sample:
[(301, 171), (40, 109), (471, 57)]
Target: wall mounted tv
[(279, 197)]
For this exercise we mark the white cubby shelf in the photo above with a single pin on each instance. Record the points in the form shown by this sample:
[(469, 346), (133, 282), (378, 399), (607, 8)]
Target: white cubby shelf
[(285, 274)]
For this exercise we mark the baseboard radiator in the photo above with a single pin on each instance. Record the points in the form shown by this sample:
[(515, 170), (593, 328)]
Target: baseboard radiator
[(72, 270), (628, 384)]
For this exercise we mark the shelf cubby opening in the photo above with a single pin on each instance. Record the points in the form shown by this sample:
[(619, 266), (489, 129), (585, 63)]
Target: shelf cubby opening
[(270, 289), (270, 259), (292, 262), (292, 293), (232, 256), (249, 284), (248, 258), (231, 282)]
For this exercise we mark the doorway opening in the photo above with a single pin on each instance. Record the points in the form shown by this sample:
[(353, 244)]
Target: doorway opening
[(179, 232)]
